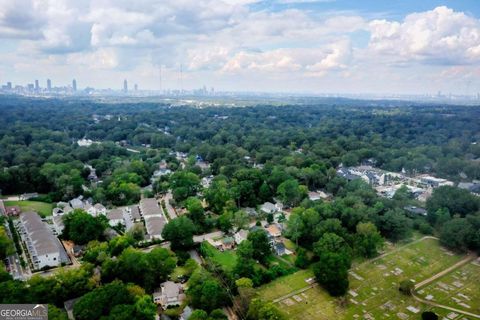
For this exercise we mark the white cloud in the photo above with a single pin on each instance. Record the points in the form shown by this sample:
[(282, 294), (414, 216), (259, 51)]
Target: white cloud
[(292, 46), (439, 36)]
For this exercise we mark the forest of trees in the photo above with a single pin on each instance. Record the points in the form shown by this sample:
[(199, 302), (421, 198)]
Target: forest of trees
[(255, 154)]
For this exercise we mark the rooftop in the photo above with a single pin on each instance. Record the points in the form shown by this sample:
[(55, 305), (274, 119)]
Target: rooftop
[(43, 240)]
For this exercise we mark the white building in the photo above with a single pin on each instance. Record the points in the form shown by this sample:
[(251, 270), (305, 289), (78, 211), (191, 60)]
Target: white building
[(115, 217), (44, 249)]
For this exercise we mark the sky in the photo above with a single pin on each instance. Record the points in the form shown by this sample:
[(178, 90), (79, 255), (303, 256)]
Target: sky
[(288, 46)]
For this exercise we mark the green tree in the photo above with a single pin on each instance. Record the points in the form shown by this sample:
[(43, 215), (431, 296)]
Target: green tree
[(368, 240), (179, 232), (395, 225), (80, 227), (455, 200), (184, 184), (260, 310), (291, 193), (260, 244), (240, 219), (205, 292), (245, 263), (406, 287), (456, 234), (6, 245), (195, 210), (334, 260)]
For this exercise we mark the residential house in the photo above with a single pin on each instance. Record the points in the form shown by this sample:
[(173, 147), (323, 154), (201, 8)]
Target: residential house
[(150, 207), (115, 217), (279, 249), (90, 209), (251, 212), (58, 224), (240, 236), (43, 247), (77, 203), (154, 226), (154, 218), (473, 187), (134, 213), (274, 230), (415, 210), (28, 196), (67, 209), (100, 209), (268, 208), (169, 294), (228, 243), (434, 182)]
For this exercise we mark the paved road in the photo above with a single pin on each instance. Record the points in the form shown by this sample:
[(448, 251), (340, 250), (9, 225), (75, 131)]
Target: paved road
[(170, 210), (206, 236)]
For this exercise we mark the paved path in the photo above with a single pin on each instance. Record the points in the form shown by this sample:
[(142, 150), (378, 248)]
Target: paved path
[(434, 304), (459, 264), (171, 210), (396, 250)]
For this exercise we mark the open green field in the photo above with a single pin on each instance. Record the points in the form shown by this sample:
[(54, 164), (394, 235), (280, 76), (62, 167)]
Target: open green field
[(459, 289), (226, 259), (373, 290), (42, 208)]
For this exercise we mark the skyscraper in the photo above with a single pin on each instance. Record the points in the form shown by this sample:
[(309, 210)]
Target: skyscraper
[(37, 86), (49, 85), (74, 85), (135, 87), (125, 86)]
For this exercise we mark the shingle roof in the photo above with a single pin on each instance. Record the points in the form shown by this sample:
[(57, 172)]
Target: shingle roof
[(115, 214), (149, 206), (155, 225), (43, 240), (135, 212)]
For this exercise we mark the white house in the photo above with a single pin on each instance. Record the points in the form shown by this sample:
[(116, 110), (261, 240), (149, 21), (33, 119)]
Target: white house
[(170, 294), (240, 236), (43, 248), (268, 207), (115, 217), (100, 209)]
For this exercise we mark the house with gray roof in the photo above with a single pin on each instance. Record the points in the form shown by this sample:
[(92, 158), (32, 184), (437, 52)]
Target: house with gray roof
[(43, 247), (169, 294), (150, 207), (155, 225), (115, 217)]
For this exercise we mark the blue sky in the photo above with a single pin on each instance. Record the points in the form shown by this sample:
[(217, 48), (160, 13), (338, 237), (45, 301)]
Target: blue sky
[(395, 9), (342, 46)]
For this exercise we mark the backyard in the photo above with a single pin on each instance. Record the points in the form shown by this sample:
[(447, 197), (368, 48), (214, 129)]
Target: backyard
[(42, 208)]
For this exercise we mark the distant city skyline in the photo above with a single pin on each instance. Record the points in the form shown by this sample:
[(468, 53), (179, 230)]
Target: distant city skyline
[(292, 46)]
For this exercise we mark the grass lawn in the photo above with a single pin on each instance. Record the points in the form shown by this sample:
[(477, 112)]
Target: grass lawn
[(42, 208), (373, 286), (459, 289), (178, 272), (285, 285), (226, 259)]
